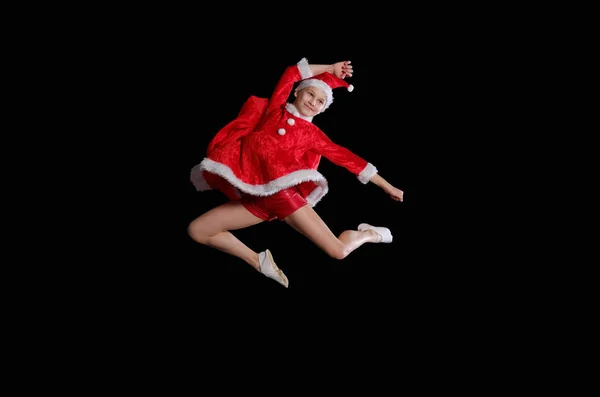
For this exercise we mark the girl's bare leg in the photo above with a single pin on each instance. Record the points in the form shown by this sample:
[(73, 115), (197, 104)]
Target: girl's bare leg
[(309, 223), (212, 229)]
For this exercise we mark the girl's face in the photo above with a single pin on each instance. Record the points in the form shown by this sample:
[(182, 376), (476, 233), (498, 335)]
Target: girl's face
[(310, 101)]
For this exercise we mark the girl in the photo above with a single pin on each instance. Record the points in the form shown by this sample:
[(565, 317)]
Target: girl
[(265, 161)]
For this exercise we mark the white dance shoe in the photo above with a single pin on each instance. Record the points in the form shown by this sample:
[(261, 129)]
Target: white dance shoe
[(270, 269), (385, 235)]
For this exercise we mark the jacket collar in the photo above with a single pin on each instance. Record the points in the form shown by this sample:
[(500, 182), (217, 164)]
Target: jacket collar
[(292, 109)]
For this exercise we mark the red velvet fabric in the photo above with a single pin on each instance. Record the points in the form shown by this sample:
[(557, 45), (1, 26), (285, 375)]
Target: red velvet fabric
[(267, 149)]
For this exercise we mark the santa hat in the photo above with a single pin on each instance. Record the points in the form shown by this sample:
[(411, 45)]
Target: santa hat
[(326, 82)]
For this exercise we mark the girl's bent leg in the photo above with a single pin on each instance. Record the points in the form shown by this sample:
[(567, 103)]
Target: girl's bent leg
[(306, 221), (212, 229)]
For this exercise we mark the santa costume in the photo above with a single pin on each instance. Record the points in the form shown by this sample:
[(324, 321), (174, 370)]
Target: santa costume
[(270, 146)]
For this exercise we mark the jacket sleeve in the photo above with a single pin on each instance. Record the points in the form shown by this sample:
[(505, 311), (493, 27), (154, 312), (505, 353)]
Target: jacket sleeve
[(291, 75), (343, 157)]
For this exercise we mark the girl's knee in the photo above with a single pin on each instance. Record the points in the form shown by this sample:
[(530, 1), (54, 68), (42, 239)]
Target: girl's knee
[(197, 232), (338, 253)]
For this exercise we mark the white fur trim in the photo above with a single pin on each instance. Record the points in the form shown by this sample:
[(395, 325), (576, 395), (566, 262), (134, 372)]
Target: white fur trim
[(367, 173), (292, 109), (291, 179), (304, 69), (198, 179), (316, 195)]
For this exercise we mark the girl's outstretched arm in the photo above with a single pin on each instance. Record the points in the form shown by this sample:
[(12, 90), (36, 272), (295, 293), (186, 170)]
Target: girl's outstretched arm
[(394, 192), (339, 69)]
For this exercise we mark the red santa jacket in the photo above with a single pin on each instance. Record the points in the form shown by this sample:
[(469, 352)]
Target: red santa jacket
[(270, 146)]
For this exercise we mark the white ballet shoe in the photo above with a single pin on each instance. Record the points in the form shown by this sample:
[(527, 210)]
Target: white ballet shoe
[(385, 235), (270, 269)]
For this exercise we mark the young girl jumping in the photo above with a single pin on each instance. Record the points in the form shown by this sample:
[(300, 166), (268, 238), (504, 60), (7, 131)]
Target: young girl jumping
[(265, 161)]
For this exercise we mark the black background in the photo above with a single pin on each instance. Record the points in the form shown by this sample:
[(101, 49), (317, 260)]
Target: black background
[(435, 108), (418, 107), (438, 93)]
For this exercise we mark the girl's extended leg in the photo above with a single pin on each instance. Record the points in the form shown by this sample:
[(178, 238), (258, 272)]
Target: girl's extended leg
[(309, 223), (212, 229)]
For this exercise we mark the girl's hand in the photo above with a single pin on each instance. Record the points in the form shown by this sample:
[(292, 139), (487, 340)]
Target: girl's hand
[(395, 193), (342, 69)]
